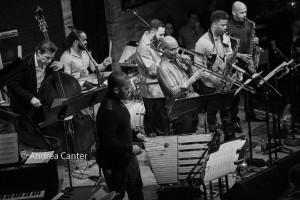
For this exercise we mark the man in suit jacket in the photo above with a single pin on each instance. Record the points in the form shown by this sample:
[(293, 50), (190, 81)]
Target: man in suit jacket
[(24, 88)]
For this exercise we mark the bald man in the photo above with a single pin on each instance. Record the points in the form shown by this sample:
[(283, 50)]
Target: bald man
[(238, 26), (175, 79)]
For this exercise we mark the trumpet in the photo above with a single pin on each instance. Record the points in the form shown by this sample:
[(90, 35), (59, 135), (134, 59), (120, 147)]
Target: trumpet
[(224, 78), (203, 67)]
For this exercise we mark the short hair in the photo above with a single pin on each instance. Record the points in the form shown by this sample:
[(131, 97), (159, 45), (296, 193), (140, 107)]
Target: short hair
[(192, 11), (155, 24), (294, 175), (218, 15), (71, 38), (45, 46), (116, 79)]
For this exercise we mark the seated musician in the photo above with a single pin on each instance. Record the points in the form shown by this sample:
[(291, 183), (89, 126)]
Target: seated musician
[(116, 154), (215, 42), (76, 60), (24, 88), (176, 79)]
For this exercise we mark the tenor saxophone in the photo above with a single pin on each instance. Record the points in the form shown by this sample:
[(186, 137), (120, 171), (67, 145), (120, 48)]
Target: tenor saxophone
[(228, 70), (254, 50)]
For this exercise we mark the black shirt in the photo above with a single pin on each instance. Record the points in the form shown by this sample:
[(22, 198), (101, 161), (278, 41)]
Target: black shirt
[(241, 30), (114, 134)]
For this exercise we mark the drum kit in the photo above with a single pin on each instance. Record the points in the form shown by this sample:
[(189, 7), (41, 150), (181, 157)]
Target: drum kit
[(135, 104)]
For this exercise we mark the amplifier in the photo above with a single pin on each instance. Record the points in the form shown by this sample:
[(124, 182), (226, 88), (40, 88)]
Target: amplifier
[(9, 42), (178, 192)]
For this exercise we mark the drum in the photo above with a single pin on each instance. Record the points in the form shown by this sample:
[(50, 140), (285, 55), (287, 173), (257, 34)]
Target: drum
[(137, 112), (134, 92)]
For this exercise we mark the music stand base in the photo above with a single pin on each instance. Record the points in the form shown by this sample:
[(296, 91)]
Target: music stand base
[(292, 142)]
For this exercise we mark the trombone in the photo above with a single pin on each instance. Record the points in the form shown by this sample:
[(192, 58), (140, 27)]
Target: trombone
[(203, 67)]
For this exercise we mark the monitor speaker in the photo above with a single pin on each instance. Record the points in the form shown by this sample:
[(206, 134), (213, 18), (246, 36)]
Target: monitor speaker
[(9, 42), (268, 184)]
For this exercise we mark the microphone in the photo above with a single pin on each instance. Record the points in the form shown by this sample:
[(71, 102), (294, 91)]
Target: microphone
[(241, 70), (274, 48), (128, 11)]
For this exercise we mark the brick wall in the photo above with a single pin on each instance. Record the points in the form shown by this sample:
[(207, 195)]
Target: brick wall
[(123, 27), (67, 15)]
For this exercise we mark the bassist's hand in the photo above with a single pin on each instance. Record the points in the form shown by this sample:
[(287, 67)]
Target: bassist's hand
[(245, 57), (56, 65)]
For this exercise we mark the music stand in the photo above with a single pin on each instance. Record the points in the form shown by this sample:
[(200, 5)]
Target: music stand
[(270, 90), (196, 105), (69, 107), (292, 141)]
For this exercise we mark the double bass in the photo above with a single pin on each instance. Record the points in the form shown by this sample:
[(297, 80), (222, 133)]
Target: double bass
[(78, 132)]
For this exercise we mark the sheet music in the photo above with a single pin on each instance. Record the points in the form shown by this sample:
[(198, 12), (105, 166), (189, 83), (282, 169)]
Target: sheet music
[(9, 150), (275, 71), (221, 162)]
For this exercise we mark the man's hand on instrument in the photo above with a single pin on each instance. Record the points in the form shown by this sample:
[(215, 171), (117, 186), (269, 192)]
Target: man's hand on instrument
[(199, 74), (245, 57), (218, 82), (141, 137), (35, 102), (107, 61), (136, 150), (56, 65)]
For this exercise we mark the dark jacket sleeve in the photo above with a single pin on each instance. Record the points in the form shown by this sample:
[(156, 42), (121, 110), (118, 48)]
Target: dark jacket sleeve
[(15, 87)]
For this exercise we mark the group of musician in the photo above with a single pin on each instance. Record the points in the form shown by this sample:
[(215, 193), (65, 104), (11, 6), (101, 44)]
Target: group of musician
[(165, 74)]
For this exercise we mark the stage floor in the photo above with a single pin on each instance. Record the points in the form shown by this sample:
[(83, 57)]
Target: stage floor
[(86, 168)]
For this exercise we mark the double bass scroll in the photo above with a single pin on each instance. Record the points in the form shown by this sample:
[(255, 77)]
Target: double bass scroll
[(59, 85)]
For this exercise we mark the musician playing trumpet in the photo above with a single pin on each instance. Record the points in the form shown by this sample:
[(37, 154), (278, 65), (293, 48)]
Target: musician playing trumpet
[(215, 44), (239, 26), (175, 79)]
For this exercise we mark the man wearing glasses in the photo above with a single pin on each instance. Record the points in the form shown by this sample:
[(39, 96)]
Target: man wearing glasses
[(24, 88)]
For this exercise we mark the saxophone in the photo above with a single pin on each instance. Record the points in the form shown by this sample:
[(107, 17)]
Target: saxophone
[(228, 70), (254, 50)]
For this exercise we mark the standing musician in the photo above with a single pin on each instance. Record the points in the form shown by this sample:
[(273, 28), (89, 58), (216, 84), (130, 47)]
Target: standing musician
[(76, 60), (240, 27), (116, 154), (148, 62), (176, 79), (24, 88), (215, 43)]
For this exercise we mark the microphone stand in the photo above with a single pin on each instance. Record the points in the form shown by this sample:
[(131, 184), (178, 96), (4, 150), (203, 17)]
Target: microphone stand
[(268, 89), (291, 141)]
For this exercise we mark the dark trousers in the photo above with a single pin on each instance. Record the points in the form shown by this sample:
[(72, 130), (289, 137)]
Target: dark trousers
[(184, 125), (128, 179), (248, 106), (213, 107), (156, 115)]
